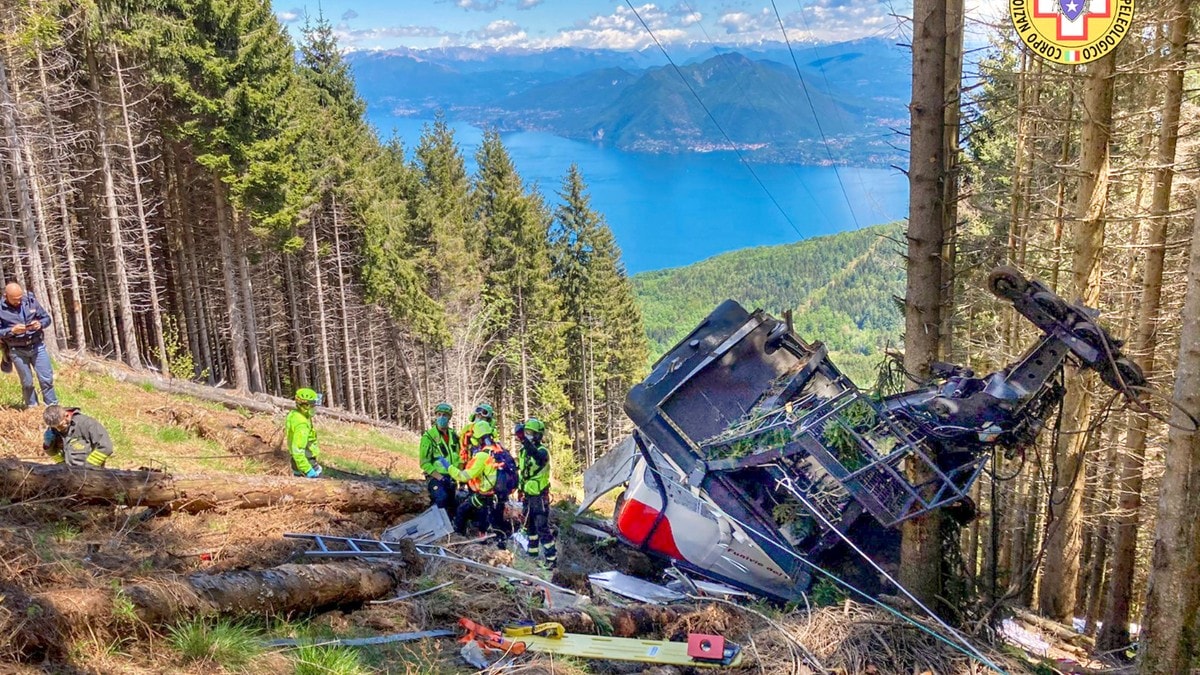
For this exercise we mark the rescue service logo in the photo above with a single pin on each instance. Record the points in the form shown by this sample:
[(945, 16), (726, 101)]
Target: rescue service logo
[(1071, 31)]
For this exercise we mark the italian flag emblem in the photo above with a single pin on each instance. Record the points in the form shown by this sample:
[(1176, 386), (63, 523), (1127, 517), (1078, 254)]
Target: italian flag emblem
[(1071, 55)]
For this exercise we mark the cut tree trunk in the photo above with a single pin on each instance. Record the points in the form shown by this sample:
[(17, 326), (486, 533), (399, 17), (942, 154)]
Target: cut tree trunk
[(21, 481), (278, 591)]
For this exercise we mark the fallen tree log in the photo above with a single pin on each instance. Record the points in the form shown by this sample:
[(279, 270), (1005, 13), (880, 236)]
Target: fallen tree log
[(283, 590), (632, 621), (21, 481)]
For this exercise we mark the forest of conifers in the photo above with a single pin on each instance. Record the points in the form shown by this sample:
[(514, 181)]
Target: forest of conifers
[(185, 190), (1084, 176)]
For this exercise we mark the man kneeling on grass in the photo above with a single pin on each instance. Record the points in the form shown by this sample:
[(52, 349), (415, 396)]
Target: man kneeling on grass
[(74, 439)]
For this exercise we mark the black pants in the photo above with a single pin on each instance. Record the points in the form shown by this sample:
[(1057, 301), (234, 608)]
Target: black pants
[(537, 526), (477, 510), (443, 493)]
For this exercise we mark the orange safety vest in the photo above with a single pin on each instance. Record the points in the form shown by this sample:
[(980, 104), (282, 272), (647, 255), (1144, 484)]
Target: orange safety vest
[(485, 483)]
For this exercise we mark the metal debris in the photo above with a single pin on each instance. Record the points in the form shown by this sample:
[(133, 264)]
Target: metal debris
[(634, 588)]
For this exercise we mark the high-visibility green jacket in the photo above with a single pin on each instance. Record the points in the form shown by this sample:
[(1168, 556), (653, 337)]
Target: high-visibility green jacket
[(435, 445), (480, 473), (302, 440), (533, 468)]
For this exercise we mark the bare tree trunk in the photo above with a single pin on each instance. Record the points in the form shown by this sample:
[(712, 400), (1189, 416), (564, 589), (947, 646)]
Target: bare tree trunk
[(1169, 638), (1056, 595), (299, 376), (920, 551), (21, 182), (351, 401), (237, 327), (194, 494), (952, 98), (251, 316), (277, 591), (189, 252), (1115, 630), (143, 226), (322, 318), (120, 273)]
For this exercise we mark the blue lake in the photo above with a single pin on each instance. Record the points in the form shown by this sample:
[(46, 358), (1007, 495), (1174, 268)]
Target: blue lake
[(672, 210)]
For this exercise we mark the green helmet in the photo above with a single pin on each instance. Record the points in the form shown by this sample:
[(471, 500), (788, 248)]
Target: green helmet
[(535, 425), (482, 428), (485, 411), (306, 395), (443, 408)]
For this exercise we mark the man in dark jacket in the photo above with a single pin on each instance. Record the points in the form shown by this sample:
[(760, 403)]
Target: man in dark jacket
[(23, 324), (74, 438)]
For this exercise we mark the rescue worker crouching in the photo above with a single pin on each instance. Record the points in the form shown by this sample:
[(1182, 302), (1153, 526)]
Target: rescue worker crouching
[(533, 468), (480, 475), (440, 460), (302, 436), (75, 439)]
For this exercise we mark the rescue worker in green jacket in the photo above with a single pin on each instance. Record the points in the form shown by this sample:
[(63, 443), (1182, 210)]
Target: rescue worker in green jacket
[(440, 460), (483, 411), (75, 439), (480, 476), (533, 476), (302, 437)]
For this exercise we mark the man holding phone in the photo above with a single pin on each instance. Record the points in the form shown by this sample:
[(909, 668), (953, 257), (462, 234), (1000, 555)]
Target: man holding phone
[(23, 324)]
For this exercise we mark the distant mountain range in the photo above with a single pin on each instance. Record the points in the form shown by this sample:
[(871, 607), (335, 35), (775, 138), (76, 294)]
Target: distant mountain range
[(635, 101)]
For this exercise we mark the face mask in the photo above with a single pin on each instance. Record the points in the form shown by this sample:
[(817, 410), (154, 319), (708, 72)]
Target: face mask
[(442, 421)]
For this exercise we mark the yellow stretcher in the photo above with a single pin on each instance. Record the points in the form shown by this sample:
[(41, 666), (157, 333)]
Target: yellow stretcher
[(551, 639)]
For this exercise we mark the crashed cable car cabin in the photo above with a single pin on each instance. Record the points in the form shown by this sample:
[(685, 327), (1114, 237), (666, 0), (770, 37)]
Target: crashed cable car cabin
[(751, 448)]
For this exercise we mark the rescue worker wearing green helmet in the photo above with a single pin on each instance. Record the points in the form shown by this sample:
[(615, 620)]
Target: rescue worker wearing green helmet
[(440, 460), (466, 445), (533, 471), (480, 475), (302, 436)]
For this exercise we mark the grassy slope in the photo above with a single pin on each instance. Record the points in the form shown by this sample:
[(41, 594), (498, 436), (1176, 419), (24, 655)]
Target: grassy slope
[(144, 435), (839, 286), (54, 547)]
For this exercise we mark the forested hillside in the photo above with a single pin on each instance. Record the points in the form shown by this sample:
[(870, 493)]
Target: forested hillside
[(186, 191), (840, 288)]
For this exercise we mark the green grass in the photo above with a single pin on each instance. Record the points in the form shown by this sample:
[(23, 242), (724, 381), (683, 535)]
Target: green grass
[(64, 532), (310, 660), (342, 434), (172, 434), (230, 645), (352, 466)]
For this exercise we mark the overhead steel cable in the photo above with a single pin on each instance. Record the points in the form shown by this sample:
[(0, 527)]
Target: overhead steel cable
[(707, 112), (816, 118)]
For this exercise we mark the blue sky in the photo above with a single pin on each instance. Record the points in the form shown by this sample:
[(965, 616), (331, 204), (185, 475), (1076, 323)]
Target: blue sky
[(384, 24)]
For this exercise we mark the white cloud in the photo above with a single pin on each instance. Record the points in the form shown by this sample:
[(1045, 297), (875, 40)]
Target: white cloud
[(290, 15), (528, 4), (478, 5), (619, 30), (513, 38), (359, 38), (690, 19)]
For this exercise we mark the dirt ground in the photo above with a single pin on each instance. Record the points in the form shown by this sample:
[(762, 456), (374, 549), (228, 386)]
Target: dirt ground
[(57, 549)]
